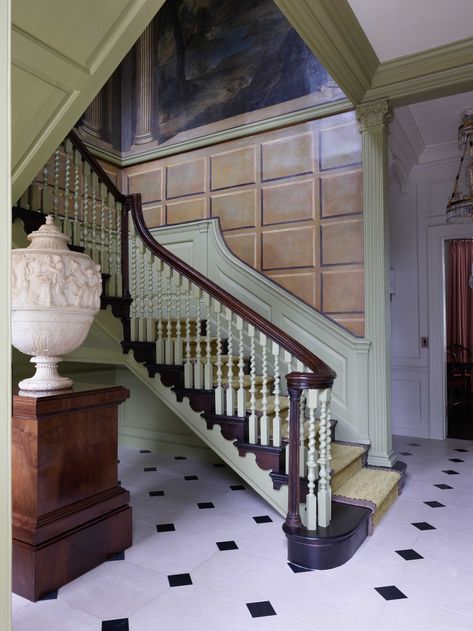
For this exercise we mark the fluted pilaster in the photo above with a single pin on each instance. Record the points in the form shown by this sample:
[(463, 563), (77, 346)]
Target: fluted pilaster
[(144, 87)]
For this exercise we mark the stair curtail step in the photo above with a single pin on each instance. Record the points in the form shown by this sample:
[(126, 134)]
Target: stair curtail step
[(346, 461), (378, 486)]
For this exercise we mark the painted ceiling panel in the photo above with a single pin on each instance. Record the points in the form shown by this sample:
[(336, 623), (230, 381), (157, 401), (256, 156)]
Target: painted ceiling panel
[(45, 21), (404, 27)]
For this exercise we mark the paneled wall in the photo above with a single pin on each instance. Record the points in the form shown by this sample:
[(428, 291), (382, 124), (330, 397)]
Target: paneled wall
[(289, 203)]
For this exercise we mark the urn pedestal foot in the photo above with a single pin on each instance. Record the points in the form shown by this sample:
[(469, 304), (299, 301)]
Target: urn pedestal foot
[(46, 376)]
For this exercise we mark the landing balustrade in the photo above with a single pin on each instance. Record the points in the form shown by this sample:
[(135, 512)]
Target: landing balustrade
[(176, 317)]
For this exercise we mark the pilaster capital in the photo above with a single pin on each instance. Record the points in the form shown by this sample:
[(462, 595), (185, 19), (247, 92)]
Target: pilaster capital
[(374, 114)]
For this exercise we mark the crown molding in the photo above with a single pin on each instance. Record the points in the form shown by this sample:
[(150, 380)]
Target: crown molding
[(405, 140), (447, 151), (332, 32), (429, 74)]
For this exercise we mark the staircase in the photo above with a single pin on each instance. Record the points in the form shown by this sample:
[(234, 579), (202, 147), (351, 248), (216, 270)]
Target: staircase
[(234, 375)]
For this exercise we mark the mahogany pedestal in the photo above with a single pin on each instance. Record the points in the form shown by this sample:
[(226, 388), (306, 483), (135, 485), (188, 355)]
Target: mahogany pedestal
[(69, 513)]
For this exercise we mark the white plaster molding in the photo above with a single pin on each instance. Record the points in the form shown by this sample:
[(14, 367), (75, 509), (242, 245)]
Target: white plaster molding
[(447, 151), (405, 142)]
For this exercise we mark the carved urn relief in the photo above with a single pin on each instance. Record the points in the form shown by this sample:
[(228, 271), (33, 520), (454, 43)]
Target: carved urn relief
[(55, 295)]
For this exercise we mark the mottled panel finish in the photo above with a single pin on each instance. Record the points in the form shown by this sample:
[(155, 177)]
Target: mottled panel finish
[(289, 202), (233, 168), (148, 183)]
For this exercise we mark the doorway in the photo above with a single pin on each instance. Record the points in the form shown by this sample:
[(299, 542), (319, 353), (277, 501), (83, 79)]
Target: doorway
[(459, 329)]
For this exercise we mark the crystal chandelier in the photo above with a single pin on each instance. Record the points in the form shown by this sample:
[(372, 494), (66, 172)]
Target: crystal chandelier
[(460, 205)]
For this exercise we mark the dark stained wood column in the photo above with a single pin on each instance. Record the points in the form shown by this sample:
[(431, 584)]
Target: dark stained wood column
[(69, 513)]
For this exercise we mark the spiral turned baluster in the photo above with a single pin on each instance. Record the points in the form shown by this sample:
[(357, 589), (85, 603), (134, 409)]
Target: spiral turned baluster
[(219, 392), (324, 495), (253, 419), (311, 500)]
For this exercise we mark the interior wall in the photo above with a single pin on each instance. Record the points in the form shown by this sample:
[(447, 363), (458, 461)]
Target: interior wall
[(417, 227), (289, 203)]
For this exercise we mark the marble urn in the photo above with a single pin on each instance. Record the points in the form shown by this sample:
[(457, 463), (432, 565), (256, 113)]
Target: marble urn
[(55, 295)]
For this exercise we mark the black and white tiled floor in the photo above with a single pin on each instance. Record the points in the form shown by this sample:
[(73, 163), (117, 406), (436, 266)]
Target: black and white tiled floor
[(209, 554)]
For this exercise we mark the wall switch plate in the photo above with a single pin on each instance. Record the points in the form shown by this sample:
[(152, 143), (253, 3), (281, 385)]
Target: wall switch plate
[(424, 342)]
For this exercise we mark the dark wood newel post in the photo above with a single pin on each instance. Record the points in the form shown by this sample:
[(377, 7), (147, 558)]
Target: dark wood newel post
[(293, 518)]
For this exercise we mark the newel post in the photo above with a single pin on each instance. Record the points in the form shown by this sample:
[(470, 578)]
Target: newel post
[(293, 518)]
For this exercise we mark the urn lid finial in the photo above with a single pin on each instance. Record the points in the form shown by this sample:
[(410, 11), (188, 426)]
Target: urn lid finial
[(48, 237)]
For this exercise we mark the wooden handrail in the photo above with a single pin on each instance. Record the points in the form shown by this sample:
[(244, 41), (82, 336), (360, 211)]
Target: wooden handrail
[(322, 376)]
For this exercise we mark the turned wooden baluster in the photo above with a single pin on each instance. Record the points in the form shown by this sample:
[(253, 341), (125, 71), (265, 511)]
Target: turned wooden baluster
[(198, 375), (159, 311), (178, 340), (264, 420), (293, 518), (188, 382), (85, 206), (230, 393), (150, 321), (103, 250), (67, 228), (287, 359), (93, 245), (311, 500), (76, 232), (142, 326), (219, 392), (276, 428), (324, 495), (45, 201), (253, 419), (168, 341), (208, 368), (133, 281), (57, 165), (241, 394), (118, 236)]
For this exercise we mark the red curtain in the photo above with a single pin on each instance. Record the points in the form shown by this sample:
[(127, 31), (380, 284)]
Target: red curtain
[(460, 297)]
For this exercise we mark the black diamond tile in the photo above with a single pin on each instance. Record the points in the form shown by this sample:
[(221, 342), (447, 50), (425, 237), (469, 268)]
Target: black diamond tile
[(414, 444), (118, 461), (226, 545), (115, 625), (191, 477), (462, 451), (145, 451), (261, 609), (205, 505), (119, 482), (423, 525), (409, 555), (156, 493), (434, 504), (450, 472), (406, 453), (262, 519), (218, 465), (443, 486), (297, 569), (120, 556), (150, 469), (456, 460), (178, 580), (180, 458), (390, 592), (50, 595), (165, 527), (237, 487)]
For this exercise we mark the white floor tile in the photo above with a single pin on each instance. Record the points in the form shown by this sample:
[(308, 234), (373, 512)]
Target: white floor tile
[(53, 616)]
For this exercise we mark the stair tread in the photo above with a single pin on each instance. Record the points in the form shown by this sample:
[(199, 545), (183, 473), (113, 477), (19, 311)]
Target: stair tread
[(370, 484), (344, 455)]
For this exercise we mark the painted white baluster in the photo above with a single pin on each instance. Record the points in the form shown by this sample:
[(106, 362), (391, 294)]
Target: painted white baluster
[(230, 394), (241, 394), (85, 206), (118, 249), (208, 368), (168, 342), (277, 401), (142, 327), (287, 359), (302, 449), (150, 321), (77, 223), (57, 165), (103, 205), (253, 420), (45, 201), (264, 420), (159, 311), (186, 286), (133, 281), (67, 187), (198, 376), (324, 495), (219, 392), (311, 500), (178, 340), (93, 248), (112, 281)]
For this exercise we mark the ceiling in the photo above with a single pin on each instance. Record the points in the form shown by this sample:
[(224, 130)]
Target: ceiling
[(403, 27)]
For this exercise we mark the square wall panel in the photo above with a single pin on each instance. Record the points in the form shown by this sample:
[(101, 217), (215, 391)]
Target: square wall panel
[(236, 209), (148, 183), (342, 291), (233, 168), (288, 248), (354, 324), (243, 246), (340, 145), (188, 210), (287, 157), (342, 242), (153, 215), (342, 193), (186, 178), (294, 201), (302, 284)]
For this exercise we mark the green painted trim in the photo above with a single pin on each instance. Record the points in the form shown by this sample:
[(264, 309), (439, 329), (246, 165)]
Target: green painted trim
[(332, 32), (250, 129), (431, 73)]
